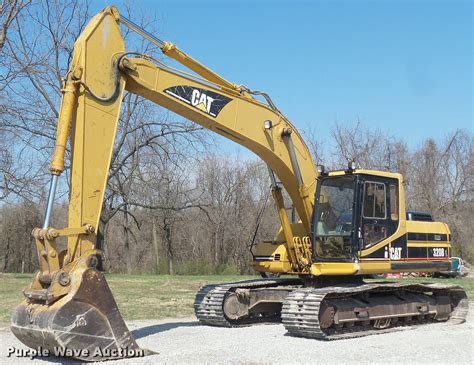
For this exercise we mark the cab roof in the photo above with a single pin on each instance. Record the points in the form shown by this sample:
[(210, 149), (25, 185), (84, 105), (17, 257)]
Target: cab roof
[(392, 175)]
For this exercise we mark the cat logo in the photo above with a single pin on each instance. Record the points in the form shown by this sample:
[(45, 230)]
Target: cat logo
[(201, 101), (206, 101), (395, 253)]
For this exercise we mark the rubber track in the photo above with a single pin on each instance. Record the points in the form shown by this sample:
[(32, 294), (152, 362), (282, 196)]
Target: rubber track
[(300, 311), (209, 301)]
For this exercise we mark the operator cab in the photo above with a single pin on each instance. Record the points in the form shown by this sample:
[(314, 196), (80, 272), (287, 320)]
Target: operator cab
[(353, 210)]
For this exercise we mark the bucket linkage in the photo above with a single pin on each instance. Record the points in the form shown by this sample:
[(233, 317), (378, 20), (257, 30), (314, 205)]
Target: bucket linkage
[(71, 312)]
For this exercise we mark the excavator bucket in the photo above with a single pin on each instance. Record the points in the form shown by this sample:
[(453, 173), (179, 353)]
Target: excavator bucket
[(84, 324)]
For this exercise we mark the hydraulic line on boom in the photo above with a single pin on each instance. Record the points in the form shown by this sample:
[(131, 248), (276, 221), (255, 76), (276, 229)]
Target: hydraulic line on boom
[(69, 304), (351, 222)]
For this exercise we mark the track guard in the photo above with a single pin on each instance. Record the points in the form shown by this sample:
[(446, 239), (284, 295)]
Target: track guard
[(86, 324)]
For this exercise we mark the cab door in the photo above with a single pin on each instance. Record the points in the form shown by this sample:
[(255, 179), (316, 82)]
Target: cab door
[(378, 209), (333, 220)]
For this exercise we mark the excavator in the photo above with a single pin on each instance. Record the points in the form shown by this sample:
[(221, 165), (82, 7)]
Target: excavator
[(352, 223)]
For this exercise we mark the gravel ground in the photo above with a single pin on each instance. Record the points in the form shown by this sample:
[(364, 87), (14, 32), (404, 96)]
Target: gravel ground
[(185, 341)]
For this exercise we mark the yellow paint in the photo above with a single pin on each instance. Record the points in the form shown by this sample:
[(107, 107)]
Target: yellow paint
[(202, 107), (428, 244), (93, 125)]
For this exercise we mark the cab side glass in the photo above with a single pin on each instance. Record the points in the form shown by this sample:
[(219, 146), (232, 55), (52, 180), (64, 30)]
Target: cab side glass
[(374, 213), (374, 200), (394, 202), (333, 218)]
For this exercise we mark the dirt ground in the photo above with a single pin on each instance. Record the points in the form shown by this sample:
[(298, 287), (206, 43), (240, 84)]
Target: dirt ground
[(185, 341)]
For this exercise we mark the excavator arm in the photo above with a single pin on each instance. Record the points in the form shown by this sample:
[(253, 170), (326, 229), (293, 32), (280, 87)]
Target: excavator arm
[(101, 71), (69, 304), (69, 308), (209, 100)]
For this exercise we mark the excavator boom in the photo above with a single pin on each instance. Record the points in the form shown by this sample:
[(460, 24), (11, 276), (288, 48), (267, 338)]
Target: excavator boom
[(69, 304), (352, 222)]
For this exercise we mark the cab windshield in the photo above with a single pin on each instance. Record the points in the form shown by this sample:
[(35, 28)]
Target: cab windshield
[(334, 216), (332, 222)]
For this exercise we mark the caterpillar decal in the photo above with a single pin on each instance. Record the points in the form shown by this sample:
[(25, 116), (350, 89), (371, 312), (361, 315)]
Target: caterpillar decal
[(206, 101), (425, 246)]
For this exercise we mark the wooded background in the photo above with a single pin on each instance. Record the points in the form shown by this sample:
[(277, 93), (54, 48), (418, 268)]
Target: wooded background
[(174, 203)]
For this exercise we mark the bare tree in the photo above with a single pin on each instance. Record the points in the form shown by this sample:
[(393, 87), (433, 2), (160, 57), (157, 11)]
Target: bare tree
[(443, 184), (17, 249), (36, 55), (368, 147), (316, 146), (39, 52), (9, 10), (170, 205)]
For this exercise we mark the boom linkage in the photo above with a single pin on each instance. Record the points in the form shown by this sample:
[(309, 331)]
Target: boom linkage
[(61, 306), (212, 102), (69, 305)]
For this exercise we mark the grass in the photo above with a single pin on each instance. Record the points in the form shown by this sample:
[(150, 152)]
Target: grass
[(138, 296), (11, 294), (159, 296), (156, 296)]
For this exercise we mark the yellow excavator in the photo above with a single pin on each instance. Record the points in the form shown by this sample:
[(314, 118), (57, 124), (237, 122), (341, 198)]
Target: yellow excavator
[(352, 222)]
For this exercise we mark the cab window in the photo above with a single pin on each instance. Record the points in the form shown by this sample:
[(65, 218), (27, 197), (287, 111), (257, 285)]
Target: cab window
[(393, 202), (374, 213), (333, 218), (374, 200)]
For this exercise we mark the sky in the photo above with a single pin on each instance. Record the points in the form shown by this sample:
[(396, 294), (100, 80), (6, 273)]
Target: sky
[(404, 67)]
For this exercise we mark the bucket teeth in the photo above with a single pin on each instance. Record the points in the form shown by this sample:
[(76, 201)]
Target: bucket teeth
[(85, 324)]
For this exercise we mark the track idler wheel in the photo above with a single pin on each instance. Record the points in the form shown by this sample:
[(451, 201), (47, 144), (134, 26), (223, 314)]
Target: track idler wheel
[(326, 315), (236, 305), (85, 324)]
